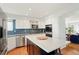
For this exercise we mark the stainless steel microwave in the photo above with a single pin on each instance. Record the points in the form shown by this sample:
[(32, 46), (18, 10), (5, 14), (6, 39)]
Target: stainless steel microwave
[(34, 26), (48, 28)]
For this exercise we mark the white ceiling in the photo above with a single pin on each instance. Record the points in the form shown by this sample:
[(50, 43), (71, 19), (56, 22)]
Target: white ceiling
[(39, 9)]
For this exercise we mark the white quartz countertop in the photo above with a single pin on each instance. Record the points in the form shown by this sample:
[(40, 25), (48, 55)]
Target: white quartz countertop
[(47, 45)]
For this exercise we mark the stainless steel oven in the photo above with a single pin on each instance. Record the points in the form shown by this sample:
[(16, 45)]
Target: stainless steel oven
[(48, 30)]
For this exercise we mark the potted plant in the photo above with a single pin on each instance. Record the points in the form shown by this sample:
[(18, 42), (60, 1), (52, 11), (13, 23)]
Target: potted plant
[(70, 29)]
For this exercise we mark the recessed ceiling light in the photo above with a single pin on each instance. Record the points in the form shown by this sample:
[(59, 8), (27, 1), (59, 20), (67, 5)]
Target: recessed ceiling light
[(30, 9)]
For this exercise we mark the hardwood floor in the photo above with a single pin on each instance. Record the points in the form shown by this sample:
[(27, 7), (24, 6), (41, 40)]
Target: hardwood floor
[(18, 51), (71, 49), (24, 51)]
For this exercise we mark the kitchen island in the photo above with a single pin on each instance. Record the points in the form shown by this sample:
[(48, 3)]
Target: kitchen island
[(47, 45)]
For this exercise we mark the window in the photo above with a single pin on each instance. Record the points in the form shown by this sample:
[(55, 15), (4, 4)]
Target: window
[(10, 25)]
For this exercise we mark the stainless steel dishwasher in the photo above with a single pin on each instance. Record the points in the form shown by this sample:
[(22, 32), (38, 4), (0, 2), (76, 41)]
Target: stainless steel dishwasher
[(20, 40)]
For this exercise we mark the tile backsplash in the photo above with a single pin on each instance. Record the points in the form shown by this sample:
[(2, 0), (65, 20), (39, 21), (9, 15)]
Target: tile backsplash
[(26, 31)]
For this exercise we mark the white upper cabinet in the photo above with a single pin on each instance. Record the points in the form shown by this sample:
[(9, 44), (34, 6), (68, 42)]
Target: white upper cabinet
[(26, 23), (22, 24), (33, 21), (48, 20), (41, 24), (45, 21)]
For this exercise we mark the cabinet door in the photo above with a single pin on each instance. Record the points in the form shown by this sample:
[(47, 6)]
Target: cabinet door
[(22, 24), (32, 49), (41, 24), (11, 43)]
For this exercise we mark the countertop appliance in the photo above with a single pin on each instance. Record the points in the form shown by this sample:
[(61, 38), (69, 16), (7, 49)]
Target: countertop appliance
[(48, 30)]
